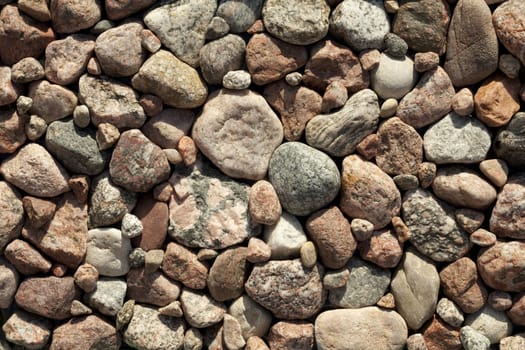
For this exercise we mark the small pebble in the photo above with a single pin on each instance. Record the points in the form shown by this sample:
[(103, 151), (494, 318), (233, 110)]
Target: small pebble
[(391, 6), (35, 128), (450, 312), (23, 104), (232, 333), (207, 254), (335, 279), (107, 135), (500, 300), (387, 301), (370, 59), (125, 314), (401, 229), (496, 170), (425, 61), (27, 70), (151, 104), (81, 116), (237, 80), (137, 257), (131, 226), (469, 219), (416, 342), (93, 67), (101, 26), (483, 238), (174, 157), (172, 309), (367, 148), (258, 251), (163, 191), (193, 339), (153, 260), (334, 96), (395, 46), (509, 65), (463, 102), (406, 182), (79, 184), (188, 150), (388, 108), (294, 78), (59, 270), (86, 277), (256, 27), (362, 229), (473, 340), (426, 174), (308, 254), (79, 309), (150, 41)]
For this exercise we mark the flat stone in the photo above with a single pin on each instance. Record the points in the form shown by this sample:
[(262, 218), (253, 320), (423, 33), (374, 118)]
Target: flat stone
[(340, 132), (108, 251), (501, 266), (26, 259), (499, 300), (50, 101), (175, 82), (108, 296), (253, 319), (87, 332), (239, 15), (509, 24), (285, 238), (393, 78), (9, 279), (450, 244), (456, 139), (27, 330), (368, 193), (304, 178), (12, 134), (226, 276), (220, 56), (286, 288), (365, 328), (383, 248), (12, 214), (493, 324), (497, 100), (509, 143), (425, 61), (238, 132), (118, 9), (285, 334), (69, 16), (264, 204), (182, 265), (201, 311), (483, 238), (154, 217), (507, 215)]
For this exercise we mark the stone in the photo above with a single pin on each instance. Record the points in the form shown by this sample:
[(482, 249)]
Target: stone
[(505, 220), (499, 300), (425, 61), (365, 286), (153, 260), (331, 62), (395, 46), (8, 92), (365, 328), (334, 97), (154, 218), (50, 101), (107, 250), (220, 56), (509, 65), (237, 80), (517, 312), (131, 226), (294, 78), (472, 339), (449, 242), (107, 135), (168, 127), (296, 105), (182, 265), (393, 78), (201, 311), (458, 277), (39, 211), (509, 142), (70, 16), (151, 104), (463, 102), (79, 184), (415, 286), (258, 251), (12, 214), (269, 59), (137, 164), (402, 231), (87, 332), (508, 23), (226, 276), (304, 178), (93, 67), (369, 59), (9, 279), (336, 279), (21, 36), (286, 288), (26, 259), (264, 204), (86, 277), (496, 170), (253, 319), (149, 330), (360, 24), (515, 342), (27, 330), (483, 238), (416, 342), (291, 334), (382, 248), (232, 334), (472, 45), (367, 148), (496, 101), (118, 9), (456, 139), (188, 150), (108, 202), (426, 173), (209, 210), (285, 238), (429, 101), (37, 9), (493, 324), (111, 102), (50, 297), (23, 104), (217, 28), (501, 265), (339, 133), (332, 234), (108, 296), (449, 312), (35, 128), (368, 193), (172, 309), (137, 257), (163, 192), (125, 314), (81, 116), (440, 335), (406, 182), (26, 70), (239, 15), (400, 148), (415, 18)]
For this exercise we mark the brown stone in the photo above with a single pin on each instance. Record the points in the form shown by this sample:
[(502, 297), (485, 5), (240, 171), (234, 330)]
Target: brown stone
[(469, 219), (463, 102), (255, 343), (500, 301), (335, 96), (88, 332), (118, 9), (8, 91), (370, 59), (458, 276), (483, 238), (287, 335), (25, 258), (169, 126), (50, 101), (153, 288), (473, 299), (154, 216), (182, 265), (79, 184), (226, 276), (497, 100), (188, 150), (509, 22), (151, 104), (368, 146), (425, 61), (496, 170), (426, 173), (12, 134), (383, 249), (69, 16), (26, 70), (263, 203), (39, 211), (502, 265), (38, 9), (441, 336), (27, 330), (507, 219), (59, 270), (86, 277)]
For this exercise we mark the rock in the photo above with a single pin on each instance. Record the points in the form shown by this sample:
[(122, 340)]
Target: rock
[(131, 226), (220, 56), (401, 229), (308, 254), (226, 277), (456, 139), (237, 80), (472, 45), (506, 219), (137, 257), (239, 15), (172, 309), (339, 133), (181, 27), (296, 27), (26, 70), (439, 335), (201, 311), (168, 127), (8, 92), (395, 46), (209, 210), (12, 134), (426, 173), (472, 339), (175, 82), (508, 23), (70, 16), (425, 61), (35, 127), (304, 178), (12, 214), (154, 218), (517, 312), (218, 27), (449, 312), (232, 334), (512, 343), (406, 182), (264, 204), (269, 59), (285, 238), (125, 314), (400, 148), (151, 104), (415, 286), (415, 18), (291, 334), (429, 101), (393, 78), (37, 9), (450, 244), (27, 330), (296, 105), (107, 135), (496, 170), (50, 297), (509, 143), (21, 36), (383, 249), (108, 203), (119, 50), (368, 193), (111, 102), (463, 102), (153, 260), (360, 24), (118, 9), (366, 328), (9, 280), (493, 324), (182, 265), (258, 251), (335, 279), (500, 301), (455, 184), (91, 331), (294, 78), (193, 339), (367, 148), (81, 116), (501, 265), (416, 342), (51, 102), (221, 133), (286, 288), (253, 319), (369, 59), (26, 259), (334, 97), (108, 296), (365, 286), (107, 251), (331, 232), (483, 238), (496, 101), (149, 330), (86, 277), (362, 229)]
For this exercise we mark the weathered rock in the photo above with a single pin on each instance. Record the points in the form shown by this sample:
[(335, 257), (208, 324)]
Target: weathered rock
[(501, 266), (118, 9), (237, 80), (72, 16), (449, 312), (168, 127), (290, 334), (107, 251), (463, 102), (9, 280), (285, 237), (182, 265), (86, 277), (12, 217), (12, 134), (253, 318), (154, 217), (88, 332), (493, 324), (496, 101), (108, 296), (517, 312), (509, 143), (25, 258), (201, 311), (8, 91), (507, 218), (27, 330), (383, 248), (264, 204), (393, 78), (509, 24), (51, 102), (472, 339), (258, 251), (220, 56), (439, 335), (425, 61), (499, 300), (38, 9), (26, 70), (226, 277)]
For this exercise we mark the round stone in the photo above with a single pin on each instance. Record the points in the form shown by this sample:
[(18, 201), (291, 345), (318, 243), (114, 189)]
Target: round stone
[(393, 78)]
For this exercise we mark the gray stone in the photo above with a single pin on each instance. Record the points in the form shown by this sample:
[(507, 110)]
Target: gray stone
[(415, 286), (304, 27), (449, 312), (200, 310), (50, 101), (340, 132), (239, 14), (365, 286), (75, 148), (108, 297), (393, 78), (361, 24), (181, 26), (285, 238), (108, 251), (220, 56), (304, 178), (217, 28), (237, 80), (131, 226), (27, 330), (253, 318), (457, 139), (473, 340), (436, 233), (509, 143), (495, 325)]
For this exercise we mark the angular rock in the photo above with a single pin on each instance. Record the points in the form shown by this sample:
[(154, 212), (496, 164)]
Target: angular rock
[(51, 102), (232, 335), (182, 265), (449, 312), (258, 251), (86, 277), (285, 237), (87, 332), (11, 214), (108, 296), (153, 288), (463, 102), (118, 9), (69, 16), (201, 311), (26, 259), (439, 335), (383, 248), (38, 9), (290, 334), (509, 25), (493, 324), (8, 91), (169, 126), (238, 132), (253, 319), (9, 281), (27, 330), (425, 61), (497, 100), (226, 277), (472, 339), (507, 218), (239, 15), (509, 143), (12, 134), (501, 266), (220, 56), (26, 70), (107, 250), (393, 78)]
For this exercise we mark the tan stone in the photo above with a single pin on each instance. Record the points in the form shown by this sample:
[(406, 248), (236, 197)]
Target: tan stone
[(496, 101)]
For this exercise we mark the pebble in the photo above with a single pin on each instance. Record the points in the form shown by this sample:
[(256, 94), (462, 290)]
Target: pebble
[(26, 330), (67, 59), (86, 277), (81, 116), (93, 67), (239, 15), (456, 139), (493, 324), (153, 260), (150, 41), (496, 101), (393, 78), (496, 170), (35, 128), (193, 339), (501, 264), (362, 229), (173, 309), (232, 333), (517, 312), (12, 132), (426, 173), (449, 312), (168, 127), (26, 70), (87, 332), (334, 97), (285, 334), (367, 148), (258, 251), (483, 238), (187, 150), (383, 249), (360, 24), (507, 218), (50, 101), (508, 23), (308, 254), (39, 211), (406, 182), (440, 335), (416, 342), (336, 279), (117, 9), (472, 339), (108, 296), (253, 319), (125, 314), (39, 9), (365, 286), (425, 61), (515, 342), (23, 104), (395, 46), (304, 178), (182, 265), (108, 250), (294, 78), (339, 133), (269, 59), (509, 65), (369, 59), (163, 192), (154, 217), (226, 276), (463, 102), (264, 204), (200, 310), (499, 300), (237, 80), (9, 92), (221, 56), (107, 135), (26, 259), (285, 238), (402, 231), (218, 27), (286, 288), (9, 278), (69, 16), (137, 257), (351, 328), (151, 287), (388, 108), (131, 226), (368, 193), (508, 144)]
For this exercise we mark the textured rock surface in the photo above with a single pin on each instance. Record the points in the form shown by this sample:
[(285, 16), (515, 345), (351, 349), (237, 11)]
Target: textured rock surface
[(501, 266), (506, 219), (510, 142), (108, 251), (12, 214), (509, 24)]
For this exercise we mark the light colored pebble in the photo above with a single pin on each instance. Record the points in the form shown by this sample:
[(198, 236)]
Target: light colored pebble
[(308, 254), (388, 108), (107, 135), (362, 229), (81, 116), (294, 78), (131, 226), (35, 128)]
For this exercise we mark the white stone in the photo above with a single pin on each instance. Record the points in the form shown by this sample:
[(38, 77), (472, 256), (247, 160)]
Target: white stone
[(393, 78), (254, 319), (131, 226), (449, 312), (237, 80), (285, 238), (108, 297), (108, 251), (493, 324)]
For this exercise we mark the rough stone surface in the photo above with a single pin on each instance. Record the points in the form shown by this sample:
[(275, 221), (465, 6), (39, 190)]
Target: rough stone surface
[(493, 324), (226, 276), (264, 204), (108, 296), (9, 281), (220, 56), (182, 265), (509, 24), (39, 211), (472, 339), (8, 91), (12, 134), (86, 277), (108, 251), (200, 310), (506, 219), (440, 335), (509, 143), (12, 214), (449, 312), (291, 334), (51, 102), (154, 217), (25, 258), (26, 330), (71, 16), (285, 237), (496, 101), (501, 266), (383, 248), (67, 59), (88, 332), (253, 319)]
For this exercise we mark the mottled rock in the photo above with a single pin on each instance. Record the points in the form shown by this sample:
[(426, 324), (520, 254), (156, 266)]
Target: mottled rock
[(416, 341), (182, 265), (8, 91), (285, 238), (395, 46), (237, 80), (232, 334), (26, 259), (86, 277), (88, 332), (509, 143), (9, 282), (369, 59), (499, 300), (27, 330), (463, 102), (168, 127), (258, 251), (39, 211), (425, 61), (193, 339), (253, 319), (509, 24), (515, 342), (493, 324), (220, 56), (264, 204), (501, 266), (496, 101), (239, 15), (118, 9), (200, 310), (107, 135), (79, 184), (108, 296), (449, 312), (472, 339), (483, 238), (226, 276), (26, 70), (291, 334), (69, 16), (107, 251), (439, 335), (506, 219), (51, 102), (38, 9), (12, 214), (382, 248)]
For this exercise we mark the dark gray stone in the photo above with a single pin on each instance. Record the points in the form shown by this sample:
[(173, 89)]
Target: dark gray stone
[(239, 14), (220, 56), (395, 46), (509, 143)]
